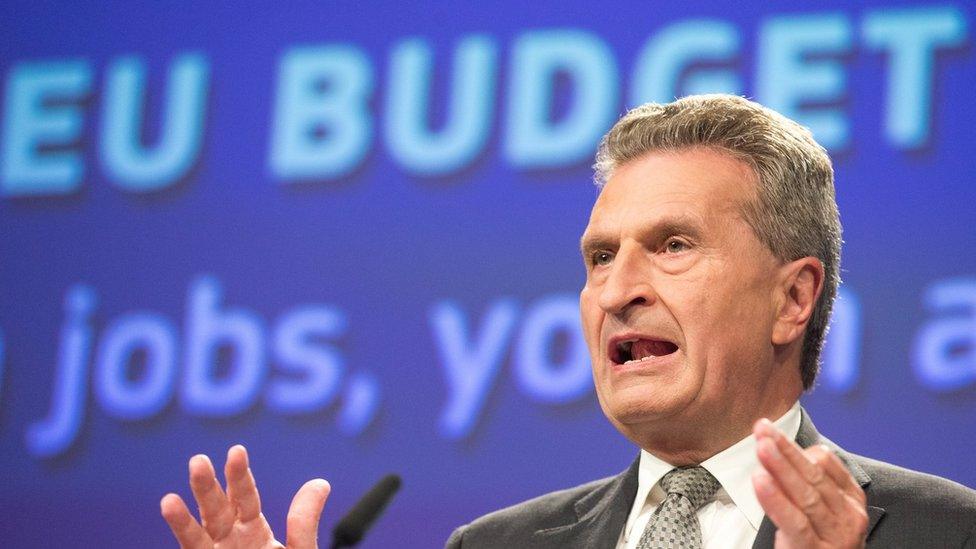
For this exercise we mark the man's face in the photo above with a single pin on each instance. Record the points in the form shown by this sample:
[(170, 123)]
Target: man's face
[(680, 296)]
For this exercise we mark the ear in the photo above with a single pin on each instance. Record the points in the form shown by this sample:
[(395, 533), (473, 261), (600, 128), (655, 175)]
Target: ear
[(801, 283)]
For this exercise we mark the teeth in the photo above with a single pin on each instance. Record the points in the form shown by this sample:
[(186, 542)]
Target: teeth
[(626, 350)]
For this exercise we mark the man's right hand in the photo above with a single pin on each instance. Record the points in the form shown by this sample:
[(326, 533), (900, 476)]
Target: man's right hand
[(233, 519)]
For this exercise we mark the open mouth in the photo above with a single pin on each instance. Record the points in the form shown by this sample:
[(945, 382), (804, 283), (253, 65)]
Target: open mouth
[(637, 350)]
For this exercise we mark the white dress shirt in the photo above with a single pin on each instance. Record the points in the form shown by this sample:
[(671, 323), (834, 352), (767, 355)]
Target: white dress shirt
[(732, 517)]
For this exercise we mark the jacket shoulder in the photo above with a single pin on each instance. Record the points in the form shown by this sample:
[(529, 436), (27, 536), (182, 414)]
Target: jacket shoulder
[(919, 509), (511, 526), (895, 486)]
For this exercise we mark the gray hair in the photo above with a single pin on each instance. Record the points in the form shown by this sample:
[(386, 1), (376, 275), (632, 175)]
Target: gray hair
[(795, 214)]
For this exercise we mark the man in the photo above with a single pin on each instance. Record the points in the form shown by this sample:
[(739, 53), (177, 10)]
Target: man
[(712, 258)]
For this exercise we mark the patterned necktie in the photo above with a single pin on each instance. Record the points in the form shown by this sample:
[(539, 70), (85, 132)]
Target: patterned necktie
[(674, 524)]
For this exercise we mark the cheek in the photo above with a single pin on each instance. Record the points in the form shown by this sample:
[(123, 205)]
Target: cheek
[(590, 318), (732, 327), (707, 313), (691, 303)]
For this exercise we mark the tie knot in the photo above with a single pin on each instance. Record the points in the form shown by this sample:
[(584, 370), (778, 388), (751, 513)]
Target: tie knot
[(694, 483)]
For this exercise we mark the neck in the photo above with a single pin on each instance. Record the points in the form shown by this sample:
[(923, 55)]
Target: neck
[(694, 445), (694, 437)]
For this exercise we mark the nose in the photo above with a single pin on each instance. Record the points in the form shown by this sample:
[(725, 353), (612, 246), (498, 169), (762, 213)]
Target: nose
[(628, 283)]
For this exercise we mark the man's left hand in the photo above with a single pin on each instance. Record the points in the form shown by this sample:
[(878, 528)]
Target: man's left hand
[(808, 494)]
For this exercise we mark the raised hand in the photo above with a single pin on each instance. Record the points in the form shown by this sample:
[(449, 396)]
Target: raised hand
[(233, 519), (809, 494)]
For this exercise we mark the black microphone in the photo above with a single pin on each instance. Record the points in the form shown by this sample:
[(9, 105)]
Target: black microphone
[(353, 526)]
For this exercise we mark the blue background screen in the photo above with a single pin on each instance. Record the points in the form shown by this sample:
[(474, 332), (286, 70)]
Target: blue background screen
[(346, 235)]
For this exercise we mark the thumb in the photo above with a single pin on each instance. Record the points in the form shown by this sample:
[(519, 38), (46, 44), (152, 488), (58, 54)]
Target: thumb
[(304, 514)]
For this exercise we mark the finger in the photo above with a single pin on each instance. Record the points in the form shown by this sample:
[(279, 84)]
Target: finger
[(791, 521), (241, 488), (802, 462), (839, 485), (834, 467), (855, 512), (187, 530), (802, 494), (812, 476), (216, 514), (304, 514)]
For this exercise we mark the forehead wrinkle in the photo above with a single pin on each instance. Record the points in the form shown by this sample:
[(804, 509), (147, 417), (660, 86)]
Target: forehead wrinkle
[(603, 236), (678, 207), (671, 224)]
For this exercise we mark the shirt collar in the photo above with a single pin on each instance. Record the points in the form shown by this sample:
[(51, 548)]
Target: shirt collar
[(732, 467), (649, 473)]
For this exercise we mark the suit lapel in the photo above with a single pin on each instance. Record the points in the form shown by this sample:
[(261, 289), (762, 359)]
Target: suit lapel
[(600, 515), (808, 436)]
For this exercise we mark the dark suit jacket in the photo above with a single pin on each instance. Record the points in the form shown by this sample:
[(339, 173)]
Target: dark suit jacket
[(906, 509)]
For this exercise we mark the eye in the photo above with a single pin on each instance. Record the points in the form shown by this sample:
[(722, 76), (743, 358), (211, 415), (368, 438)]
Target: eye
[(674, 246), (601, 258)]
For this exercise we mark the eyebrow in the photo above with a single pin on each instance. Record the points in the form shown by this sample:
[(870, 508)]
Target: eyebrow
[(686, 225)]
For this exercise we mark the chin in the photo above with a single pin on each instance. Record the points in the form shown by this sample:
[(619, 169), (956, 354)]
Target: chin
[(636, 406)]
